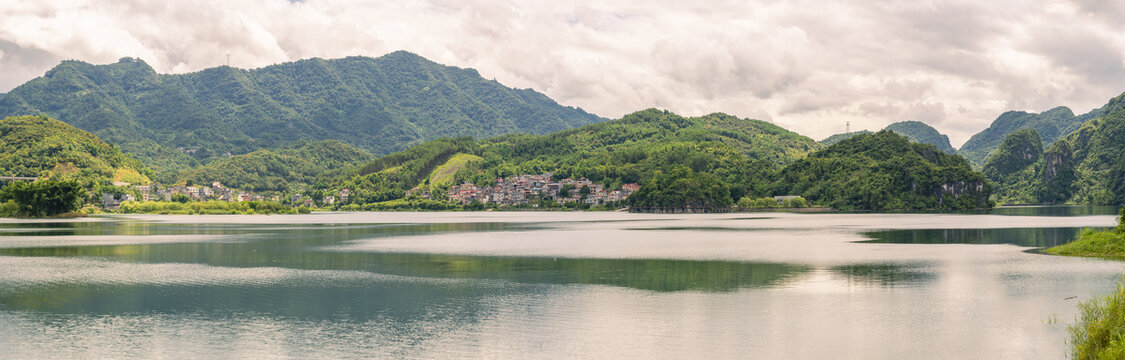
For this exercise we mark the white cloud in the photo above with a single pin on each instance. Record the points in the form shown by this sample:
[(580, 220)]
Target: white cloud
[(807, 65)]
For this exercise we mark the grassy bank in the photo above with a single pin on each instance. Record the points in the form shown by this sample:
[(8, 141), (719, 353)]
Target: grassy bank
[(1100, 333), (1108, 244)]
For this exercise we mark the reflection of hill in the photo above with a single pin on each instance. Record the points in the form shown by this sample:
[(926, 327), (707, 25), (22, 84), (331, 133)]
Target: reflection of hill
[(300, 248), (1041, 237), (885, 274)]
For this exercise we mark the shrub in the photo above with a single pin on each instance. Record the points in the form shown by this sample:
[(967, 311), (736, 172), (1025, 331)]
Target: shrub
[(1100, 334)]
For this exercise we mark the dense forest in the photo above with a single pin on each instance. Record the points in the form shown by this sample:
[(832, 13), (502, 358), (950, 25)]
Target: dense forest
[(314, 127), (289, 169), (707, 161), (916, 131), (37, 146), (1051, 125), (385, 104), (885, 171), (1087, 166), (919, 132)]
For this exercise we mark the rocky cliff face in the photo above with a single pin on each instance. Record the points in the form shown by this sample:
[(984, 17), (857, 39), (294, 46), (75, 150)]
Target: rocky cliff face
[(1057, 173)]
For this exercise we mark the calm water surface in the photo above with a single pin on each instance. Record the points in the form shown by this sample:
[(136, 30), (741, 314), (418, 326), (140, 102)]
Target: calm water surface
[(547, 285)]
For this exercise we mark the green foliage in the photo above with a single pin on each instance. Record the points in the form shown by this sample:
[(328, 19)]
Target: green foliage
[(681, 187), (282, 170), (741, 153), (919, 132), (1100, 333), (181, 198), (771, 203), (389, 177), (173, 122), (9, 209), (885, 171), (208, 208), (832, 140), (43, 198), (1051, 125), (1015, 166), (1085, 167), (36, 146)]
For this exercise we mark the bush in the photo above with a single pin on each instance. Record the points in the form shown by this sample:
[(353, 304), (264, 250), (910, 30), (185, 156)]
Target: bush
[(1100, 334), (9, 209), (44, 198), (1120, 229)]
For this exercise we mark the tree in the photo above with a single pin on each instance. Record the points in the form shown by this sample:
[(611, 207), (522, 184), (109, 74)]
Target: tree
[(44, 198), (181, 198)]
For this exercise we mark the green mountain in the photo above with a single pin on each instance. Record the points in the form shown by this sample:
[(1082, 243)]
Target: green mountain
[(885, 171), (1085, 167), (381, 105), (36, 146), (285, 169), (922, 133), (1051, 125), (1014, 167), (913, 130), (710, 160), (740, 152), (832, 140)]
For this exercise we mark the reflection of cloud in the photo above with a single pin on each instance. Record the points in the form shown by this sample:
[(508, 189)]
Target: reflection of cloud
[(956, 65)]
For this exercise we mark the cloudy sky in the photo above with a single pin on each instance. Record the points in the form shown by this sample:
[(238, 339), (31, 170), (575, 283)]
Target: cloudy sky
[(809, 66)]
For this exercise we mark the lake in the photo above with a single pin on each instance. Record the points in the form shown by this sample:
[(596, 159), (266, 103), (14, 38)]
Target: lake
[(548, 285)]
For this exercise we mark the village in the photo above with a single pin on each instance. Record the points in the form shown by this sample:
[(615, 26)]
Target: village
[(521, 189)]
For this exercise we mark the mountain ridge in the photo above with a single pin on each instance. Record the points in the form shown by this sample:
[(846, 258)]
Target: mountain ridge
[(379, 104)]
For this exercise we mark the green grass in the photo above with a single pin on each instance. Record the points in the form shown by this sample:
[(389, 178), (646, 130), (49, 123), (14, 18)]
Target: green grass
[(1100, 334), (444, 174), (1103, 244)]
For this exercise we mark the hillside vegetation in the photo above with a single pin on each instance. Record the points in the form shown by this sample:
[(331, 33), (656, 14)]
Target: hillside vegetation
[(707, 161), (385, 104), (37, 146), (1085, 167), (885, 171), (285, 169), (916, 131), (919, 132), (1051, 125)]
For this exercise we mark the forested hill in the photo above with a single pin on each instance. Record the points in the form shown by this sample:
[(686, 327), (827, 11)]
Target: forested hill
[(36, 146), (831, 140), (284, 170), (1085, 167), (380, 104), (742, 152), (921, 133), (1051, 125), (885, 171), (916, 131), (721, 159)]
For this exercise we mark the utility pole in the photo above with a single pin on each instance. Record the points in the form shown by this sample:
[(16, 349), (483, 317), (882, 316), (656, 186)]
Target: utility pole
[(228, 59), (847, 127)]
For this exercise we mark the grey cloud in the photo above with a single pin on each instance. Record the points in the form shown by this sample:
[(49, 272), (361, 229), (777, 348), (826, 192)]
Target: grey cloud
[(808, 65)]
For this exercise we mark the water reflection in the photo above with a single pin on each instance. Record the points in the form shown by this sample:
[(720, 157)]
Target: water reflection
[(1042, 237), (1050, 210), (120, 289), (886, 274)]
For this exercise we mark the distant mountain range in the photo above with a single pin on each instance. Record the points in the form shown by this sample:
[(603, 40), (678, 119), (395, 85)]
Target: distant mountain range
[(317, 124), (1050, 125), (1084, 166), (916, 131), (385, 104)]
